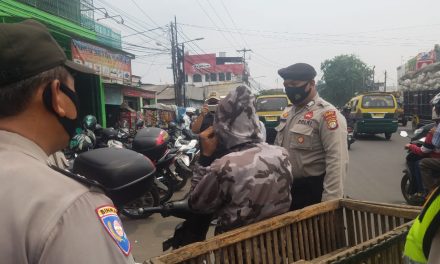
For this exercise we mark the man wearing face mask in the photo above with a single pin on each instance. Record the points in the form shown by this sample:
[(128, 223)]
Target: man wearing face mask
[(46, 217), (315, 134)]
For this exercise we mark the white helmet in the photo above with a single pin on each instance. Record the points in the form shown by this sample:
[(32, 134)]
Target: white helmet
[(190, 110), (435, 102)]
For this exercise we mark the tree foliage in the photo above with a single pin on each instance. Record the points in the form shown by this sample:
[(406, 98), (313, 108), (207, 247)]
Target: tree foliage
[(343, 77)]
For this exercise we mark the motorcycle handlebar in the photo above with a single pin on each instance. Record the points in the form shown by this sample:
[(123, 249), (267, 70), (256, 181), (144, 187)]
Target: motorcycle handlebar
[(171, 209)]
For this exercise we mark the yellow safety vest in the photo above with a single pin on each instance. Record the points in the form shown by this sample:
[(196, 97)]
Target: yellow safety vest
[(419, 239)]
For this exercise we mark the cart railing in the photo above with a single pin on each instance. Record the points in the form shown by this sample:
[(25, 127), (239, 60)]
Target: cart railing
[(314, 233)]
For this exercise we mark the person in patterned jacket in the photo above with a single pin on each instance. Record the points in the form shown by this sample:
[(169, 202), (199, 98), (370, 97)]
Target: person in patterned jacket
[(240, 178)]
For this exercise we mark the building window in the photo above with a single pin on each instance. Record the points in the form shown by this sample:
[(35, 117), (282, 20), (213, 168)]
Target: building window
[(197, 78), (213, 77), (221, 77), (228, 76), (186, 77), (207, 77)]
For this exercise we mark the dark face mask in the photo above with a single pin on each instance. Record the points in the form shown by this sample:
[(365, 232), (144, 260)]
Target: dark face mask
[(297, 95), (68, 124)]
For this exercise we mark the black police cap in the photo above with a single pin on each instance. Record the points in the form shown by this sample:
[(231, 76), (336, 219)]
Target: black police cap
[(298, 72), (27, 49)]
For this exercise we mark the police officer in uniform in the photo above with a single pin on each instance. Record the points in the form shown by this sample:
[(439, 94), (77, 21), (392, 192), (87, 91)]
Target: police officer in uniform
[(315, 134), (46, 217)]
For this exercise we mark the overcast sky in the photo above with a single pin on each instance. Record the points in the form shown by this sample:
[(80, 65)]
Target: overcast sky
[(279, 32)]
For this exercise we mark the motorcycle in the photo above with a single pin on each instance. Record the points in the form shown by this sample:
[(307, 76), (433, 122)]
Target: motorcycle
[(188, 147), (167, 177), (411, 185), (350, 137), (127, 178), (153, 143)]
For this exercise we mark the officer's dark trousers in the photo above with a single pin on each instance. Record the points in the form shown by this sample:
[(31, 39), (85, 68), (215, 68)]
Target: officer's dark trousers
[(306, 191)]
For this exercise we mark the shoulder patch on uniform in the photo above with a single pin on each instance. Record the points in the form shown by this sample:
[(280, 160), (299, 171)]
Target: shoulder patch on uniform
[(113, 225), (331, 119)]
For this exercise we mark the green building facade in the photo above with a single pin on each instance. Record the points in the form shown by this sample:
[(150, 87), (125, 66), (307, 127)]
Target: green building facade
[(70, 20)]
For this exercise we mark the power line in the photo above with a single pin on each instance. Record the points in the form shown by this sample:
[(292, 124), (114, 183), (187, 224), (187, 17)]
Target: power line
[(233, 22), (221, 21), (309, 36), (142, 24), (212, 21), (145, 13)]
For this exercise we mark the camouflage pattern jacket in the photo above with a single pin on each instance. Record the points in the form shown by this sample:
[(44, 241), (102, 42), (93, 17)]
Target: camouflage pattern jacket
[(250, 183)]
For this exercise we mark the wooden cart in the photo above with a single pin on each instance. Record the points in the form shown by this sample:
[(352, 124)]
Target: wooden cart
[(339, 231)]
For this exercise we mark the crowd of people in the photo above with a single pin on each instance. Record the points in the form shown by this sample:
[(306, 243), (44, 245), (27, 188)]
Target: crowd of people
[(50, 218)]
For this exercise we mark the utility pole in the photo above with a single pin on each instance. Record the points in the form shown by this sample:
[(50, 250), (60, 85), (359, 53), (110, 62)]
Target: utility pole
[(178, 68), (182, 74), (374, 85), (245, 77), (174, 64), (385, 82)]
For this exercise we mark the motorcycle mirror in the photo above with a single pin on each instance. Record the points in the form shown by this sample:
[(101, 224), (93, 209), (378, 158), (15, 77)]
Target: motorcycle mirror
[(403, 134)]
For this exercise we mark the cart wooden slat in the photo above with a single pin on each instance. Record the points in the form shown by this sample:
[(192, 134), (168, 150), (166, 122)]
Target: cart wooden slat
[(339, 231)]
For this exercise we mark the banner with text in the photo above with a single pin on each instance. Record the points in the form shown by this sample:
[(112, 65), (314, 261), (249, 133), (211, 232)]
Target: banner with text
[(105, 62)]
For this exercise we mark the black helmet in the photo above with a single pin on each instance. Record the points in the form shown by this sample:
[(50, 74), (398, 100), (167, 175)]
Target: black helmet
[(98, 129), (172, 125), (89, 122)]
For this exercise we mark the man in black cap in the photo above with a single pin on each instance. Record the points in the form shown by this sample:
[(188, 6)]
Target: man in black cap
[(47, 217), (315, 134)]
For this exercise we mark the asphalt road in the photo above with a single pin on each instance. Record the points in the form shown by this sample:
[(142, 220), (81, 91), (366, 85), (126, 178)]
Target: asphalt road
[(375, 171)]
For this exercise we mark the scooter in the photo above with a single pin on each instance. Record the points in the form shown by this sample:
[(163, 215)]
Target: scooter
[(350, 137), (410, 184), (188, 148)]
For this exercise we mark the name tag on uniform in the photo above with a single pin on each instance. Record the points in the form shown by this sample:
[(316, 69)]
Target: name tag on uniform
[(305, 122), (110, 219)]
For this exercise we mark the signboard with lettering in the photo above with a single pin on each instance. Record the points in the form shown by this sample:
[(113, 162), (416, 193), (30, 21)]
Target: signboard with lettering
[(138, 93), (206, 63), (106, 63)]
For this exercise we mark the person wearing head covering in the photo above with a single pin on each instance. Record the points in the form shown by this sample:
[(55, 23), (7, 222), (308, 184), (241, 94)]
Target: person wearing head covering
[(315, 134), (47, 217), (239, 178), (206, 117)]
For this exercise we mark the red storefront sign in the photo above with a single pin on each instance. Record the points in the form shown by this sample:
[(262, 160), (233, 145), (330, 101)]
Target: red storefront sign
[(206, 63), (138, 93)]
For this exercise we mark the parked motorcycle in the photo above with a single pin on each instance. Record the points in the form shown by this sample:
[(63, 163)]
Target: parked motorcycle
[(188, 146), (350, 137), (125, 176), (153, 143), (410, 184)]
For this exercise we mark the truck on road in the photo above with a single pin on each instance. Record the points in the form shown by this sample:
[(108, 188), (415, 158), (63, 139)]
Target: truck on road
[(419, 87)]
